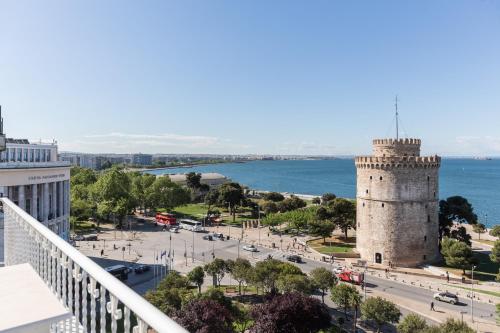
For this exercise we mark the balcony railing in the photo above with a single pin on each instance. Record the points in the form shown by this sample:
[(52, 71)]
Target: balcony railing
[(33, 165), (98, 301)]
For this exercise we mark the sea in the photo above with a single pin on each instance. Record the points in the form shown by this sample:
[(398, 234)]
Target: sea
[(476, 180)]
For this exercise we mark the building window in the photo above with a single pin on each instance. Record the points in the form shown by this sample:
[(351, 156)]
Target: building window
[(32, 155), (366, 191), (383, 205), (428, 218), (434, 194), (48, 155), (380, 177), (371, 177), (363, 204), (425, 257), (425, 238), (428, 178)]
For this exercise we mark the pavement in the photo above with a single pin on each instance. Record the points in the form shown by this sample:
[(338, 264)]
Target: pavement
[(410, 293)]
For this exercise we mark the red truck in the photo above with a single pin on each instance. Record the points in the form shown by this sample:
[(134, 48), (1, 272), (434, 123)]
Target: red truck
[(165, 219), (351, 277)]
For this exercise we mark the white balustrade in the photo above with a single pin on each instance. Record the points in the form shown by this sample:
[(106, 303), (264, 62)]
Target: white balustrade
[(99, 302)]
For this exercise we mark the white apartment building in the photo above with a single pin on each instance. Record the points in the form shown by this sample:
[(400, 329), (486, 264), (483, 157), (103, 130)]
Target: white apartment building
[(32, 177)]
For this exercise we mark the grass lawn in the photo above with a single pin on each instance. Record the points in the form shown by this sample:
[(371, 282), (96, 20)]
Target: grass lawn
[(487, 242), (476, 290), (486, 270), (83, 226), (198, 212), (332, 245)]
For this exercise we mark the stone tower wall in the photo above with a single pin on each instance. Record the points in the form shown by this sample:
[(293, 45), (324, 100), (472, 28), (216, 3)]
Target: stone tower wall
[(397, 204)]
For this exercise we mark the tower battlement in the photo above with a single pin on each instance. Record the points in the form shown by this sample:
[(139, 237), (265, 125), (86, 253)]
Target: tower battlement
[(407, 141), (396, 147), (388, 162)]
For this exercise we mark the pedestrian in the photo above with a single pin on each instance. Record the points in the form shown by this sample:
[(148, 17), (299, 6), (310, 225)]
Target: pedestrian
[(447, 277), (102, 252), (432, 306), (93, 246)]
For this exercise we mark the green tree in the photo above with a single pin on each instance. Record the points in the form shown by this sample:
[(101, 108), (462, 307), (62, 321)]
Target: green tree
[(291, 203), (111, 191), (450, 326), (273, 196), (168, 194), (231, 195), (241, 271), (197, 276), (412, 323), (479, 228), (193, 180), (457, 254), (461, 235), (141, 189), (323, 279), (380, 311), (345, 296), (269, 207), (327, 197), (266, 273), (495, 252), (495, 231), (217, 268), (211, 198), (454, 209), (343, 214), (321, 228), (287, 283), (170, 294)]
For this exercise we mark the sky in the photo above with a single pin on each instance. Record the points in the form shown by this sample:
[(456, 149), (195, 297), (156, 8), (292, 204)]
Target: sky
[(251, 77)]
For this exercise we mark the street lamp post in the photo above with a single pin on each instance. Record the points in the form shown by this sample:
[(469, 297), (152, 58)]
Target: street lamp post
[(364, 279), (239, 241), (472, 290), (185, 252), (192, 254), (258, 221)]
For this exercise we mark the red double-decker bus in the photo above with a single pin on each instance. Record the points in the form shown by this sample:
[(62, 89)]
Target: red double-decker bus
[(165, 219)]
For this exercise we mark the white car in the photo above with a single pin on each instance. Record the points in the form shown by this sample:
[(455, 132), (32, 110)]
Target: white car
[(250, 248), (338, 270), (446, 297)]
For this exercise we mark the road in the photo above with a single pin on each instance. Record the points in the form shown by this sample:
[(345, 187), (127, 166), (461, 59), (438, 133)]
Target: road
[(152, 239)]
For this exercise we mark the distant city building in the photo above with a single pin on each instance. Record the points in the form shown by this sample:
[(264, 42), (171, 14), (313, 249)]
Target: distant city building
[(397, 204), (210, 179), (142, 159), (33, 178)]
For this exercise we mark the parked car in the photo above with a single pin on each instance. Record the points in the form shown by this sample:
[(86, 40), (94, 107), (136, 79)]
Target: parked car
[(140, 268), (208, 237), (174, 229), (294, 258), (250, 248), (446, 297), (217, 235), (79, 238)]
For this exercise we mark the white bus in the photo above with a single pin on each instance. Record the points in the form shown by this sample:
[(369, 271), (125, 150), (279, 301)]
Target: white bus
[(190, 225)]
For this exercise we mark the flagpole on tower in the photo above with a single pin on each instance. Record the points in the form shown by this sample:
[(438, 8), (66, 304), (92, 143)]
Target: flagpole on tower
[(397, 118)]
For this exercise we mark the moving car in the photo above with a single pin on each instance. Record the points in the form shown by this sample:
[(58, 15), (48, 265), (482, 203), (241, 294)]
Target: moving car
[(294, 258), (250, 248), (140, 268), (351, 277), (118, 271), (446, 297), (208, 237), (165, 219)]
